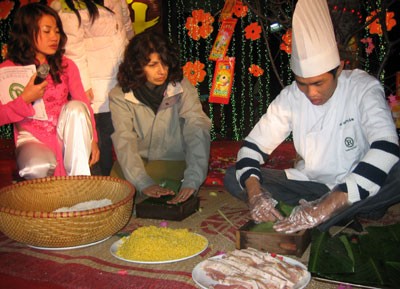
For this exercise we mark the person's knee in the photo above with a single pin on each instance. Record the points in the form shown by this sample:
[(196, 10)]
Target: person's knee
[(35, 161), (74, 118), (232, 185), (230, 176), (74, 111), (76, 106), (394, 173)]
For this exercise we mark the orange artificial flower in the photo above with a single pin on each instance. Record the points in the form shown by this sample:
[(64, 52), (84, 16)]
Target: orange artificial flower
[(5, 8), (376, 28), (240, 10), (4, 49), (194, 71), (253, 31), (256, 70), (286, 44), (200, 25)]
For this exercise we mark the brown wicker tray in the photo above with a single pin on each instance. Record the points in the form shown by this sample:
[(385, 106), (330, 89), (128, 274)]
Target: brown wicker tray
[(26, 210)]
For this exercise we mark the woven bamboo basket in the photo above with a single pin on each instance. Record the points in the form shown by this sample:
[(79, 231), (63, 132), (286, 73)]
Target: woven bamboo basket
[(26, 210)]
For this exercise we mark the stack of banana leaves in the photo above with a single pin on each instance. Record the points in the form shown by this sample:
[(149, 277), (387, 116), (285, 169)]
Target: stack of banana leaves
[(368, 259)]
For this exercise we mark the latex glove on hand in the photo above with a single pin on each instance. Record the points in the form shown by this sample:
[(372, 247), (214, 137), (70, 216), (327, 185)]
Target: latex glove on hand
[(262, 208), (310, 214)]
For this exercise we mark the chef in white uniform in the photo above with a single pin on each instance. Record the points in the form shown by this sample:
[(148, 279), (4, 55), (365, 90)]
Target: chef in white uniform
[(342, 129)]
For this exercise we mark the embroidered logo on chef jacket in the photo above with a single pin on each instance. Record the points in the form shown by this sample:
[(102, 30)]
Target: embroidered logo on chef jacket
[(349, 143)]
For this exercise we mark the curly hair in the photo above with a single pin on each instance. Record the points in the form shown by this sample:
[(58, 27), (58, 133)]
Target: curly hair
[(25, 30), (137, 55)]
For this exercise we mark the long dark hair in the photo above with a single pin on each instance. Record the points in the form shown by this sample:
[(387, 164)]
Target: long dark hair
[(91, 7), (137, 56), (25, 30)]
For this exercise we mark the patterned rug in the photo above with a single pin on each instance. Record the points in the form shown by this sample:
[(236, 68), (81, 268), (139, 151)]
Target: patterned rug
[(94, 267)]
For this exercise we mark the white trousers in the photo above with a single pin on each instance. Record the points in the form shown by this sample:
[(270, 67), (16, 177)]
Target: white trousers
[(75, 135)]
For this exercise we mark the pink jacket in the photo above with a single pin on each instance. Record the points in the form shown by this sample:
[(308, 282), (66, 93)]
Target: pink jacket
[(55, 96)]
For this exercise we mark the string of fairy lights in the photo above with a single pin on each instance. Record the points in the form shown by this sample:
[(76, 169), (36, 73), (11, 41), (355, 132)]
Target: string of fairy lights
[(366, 35), (382, 50), (250, 94), (5, 26)]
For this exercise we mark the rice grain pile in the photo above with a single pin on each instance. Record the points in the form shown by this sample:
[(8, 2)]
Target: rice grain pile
[(153, 244)]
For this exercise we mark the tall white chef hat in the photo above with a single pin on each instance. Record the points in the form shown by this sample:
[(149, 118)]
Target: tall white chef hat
[(314, 48)]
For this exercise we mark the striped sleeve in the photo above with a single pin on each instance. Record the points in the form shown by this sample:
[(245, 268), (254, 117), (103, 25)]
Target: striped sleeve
[(370, 174), (249, 159)]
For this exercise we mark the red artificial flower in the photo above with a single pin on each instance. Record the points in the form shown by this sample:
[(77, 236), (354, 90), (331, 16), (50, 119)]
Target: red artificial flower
[(5, 8), (376, 28), (200, 25), (286, 44), (256, 70), (393, 100), (194, 71), (253, 31), (370, 45), (240, 10)]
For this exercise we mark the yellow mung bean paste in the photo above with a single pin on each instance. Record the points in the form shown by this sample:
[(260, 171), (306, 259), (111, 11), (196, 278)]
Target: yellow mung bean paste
[(153, 243)]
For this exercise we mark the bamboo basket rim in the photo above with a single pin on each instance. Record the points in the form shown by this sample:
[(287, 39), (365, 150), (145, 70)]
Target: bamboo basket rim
[(41, 214)]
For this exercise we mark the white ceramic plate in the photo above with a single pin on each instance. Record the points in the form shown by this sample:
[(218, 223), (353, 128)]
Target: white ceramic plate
[(115, 246), (69, 248), (203, 281)]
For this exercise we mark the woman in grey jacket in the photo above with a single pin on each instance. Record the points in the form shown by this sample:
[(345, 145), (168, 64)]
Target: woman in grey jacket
[(161, 132)]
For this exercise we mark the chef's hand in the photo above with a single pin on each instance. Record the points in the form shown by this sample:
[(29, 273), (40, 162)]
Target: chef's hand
[(262, 208), (182, 196), (156, 191), (310, 214), (261, 203)]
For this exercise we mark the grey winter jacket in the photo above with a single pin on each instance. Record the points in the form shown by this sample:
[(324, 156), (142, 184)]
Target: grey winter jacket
[(180, 130)]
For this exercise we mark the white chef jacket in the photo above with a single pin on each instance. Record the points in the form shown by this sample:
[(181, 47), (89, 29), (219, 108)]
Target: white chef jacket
[(332, 138)]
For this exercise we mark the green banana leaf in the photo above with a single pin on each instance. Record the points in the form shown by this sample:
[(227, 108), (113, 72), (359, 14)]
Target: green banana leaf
[(330, 255), (283, 208), (371, 259), (393, 269)]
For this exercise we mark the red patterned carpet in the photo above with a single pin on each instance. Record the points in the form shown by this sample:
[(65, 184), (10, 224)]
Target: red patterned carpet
[(94, 267), (223, 155)]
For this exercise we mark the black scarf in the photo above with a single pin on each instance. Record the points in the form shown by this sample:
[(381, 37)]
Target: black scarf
[(151, 95)]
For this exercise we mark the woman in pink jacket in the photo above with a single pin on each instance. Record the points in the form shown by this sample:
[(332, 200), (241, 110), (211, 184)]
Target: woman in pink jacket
[(66, 142)]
